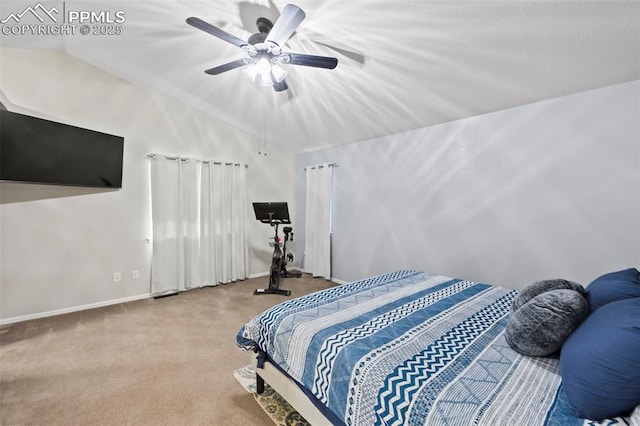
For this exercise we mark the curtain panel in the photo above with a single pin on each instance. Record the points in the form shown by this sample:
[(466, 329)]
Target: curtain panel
[(198, 211), (317, 246)]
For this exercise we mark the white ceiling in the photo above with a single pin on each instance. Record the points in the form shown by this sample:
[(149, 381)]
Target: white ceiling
[(402, 64)]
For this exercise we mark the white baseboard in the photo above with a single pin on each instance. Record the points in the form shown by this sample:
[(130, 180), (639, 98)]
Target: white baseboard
[(73, 309), (266, 273), (258, 275), (115, 302)]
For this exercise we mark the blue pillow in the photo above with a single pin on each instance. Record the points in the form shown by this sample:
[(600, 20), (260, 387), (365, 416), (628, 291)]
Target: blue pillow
[(613, 286), (600, 361)]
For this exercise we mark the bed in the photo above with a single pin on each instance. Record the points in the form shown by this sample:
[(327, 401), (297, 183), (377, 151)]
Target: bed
[(406, 348)]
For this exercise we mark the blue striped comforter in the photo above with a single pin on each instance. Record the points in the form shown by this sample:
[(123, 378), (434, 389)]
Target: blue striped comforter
[(411, 348)]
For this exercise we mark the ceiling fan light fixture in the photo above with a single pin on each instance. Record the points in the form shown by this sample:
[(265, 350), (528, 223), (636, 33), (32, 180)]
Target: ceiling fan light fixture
[(278, 72), (266, 81), (251, 71), (263, 66), (269, 73)]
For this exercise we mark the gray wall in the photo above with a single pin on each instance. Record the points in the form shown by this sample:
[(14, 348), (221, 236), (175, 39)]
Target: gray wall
[(59, 246), (546, 190)]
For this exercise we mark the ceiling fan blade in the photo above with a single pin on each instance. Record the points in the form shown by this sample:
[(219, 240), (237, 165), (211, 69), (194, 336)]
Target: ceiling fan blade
[(215, 31), (280, 87), (340, 46), (228, 66), (286, 24), (310, 60), (351, 54)]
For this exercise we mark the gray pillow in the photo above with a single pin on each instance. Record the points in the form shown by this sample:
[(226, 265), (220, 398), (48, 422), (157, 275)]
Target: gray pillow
[(543, 286), (541, 325)]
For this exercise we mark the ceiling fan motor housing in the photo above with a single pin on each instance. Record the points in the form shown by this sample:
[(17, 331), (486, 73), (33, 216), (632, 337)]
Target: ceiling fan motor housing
[(264, 26), (257, 38)]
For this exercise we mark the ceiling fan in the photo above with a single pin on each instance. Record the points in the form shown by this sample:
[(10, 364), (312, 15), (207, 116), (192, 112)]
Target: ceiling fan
[(264, 49)]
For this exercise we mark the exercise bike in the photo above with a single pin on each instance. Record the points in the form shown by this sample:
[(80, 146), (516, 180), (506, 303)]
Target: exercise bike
[(276, 214)]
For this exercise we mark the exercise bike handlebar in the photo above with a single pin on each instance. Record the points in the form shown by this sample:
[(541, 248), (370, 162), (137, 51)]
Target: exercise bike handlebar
[(276, 221), (272, 213)]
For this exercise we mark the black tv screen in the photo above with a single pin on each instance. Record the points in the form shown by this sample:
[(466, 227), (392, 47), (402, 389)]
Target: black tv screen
[(34, 150)]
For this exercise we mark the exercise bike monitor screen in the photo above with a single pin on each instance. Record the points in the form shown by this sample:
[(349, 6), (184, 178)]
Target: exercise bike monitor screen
[(277, 212)]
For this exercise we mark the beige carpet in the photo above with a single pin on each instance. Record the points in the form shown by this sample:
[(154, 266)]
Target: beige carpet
[(151, 362)]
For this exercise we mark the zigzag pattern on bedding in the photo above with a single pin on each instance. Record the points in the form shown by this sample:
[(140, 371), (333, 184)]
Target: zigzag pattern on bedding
[(407, 379), (331, 347), (370, 373), (481, 373), (262, 329), (297, 330), (356, 379), (305, 336)]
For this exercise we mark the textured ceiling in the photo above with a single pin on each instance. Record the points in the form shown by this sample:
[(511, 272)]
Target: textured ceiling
[(402, 64)]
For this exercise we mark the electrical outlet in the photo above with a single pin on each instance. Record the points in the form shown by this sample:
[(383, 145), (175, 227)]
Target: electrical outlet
[(117, 277), (135, 274)]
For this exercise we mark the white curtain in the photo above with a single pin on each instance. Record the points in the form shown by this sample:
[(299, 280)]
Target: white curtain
[(317, 245), (198, 213), (222, 227)]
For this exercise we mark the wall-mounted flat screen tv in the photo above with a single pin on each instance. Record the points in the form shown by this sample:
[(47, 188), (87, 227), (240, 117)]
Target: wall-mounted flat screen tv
[(34, 150)]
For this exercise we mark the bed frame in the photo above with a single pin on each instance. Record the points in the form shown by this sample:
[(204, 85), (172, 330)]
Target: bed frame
[(289, 390)]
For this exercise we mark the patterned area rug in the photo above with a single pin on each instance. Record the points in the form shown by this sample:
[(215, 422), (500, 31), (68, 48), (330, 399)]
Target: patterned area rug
[(273, 404)]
